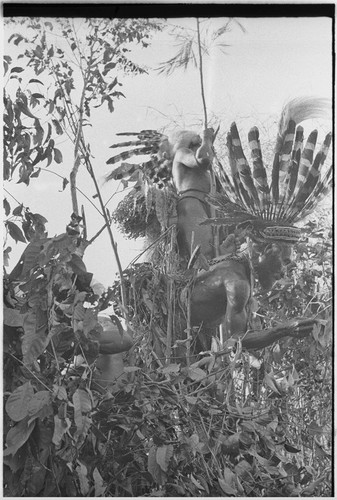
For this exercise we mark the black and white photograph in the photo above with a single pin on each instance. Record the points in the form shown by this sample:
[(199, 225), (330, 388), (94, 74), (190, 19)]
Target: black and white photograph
[(168, 250)]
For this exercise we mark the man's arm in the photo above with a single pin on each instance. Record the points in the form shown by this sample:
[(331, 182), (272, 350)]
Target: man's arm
[(203, 156)]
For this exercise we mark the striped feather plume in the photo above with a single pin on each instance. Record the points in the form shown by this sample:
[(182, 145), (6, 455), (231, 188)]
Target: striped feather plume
[(291, 179), (293, 113), (259, 171), (241, 172), (310, 180), (223, 181), (321, 190), (157, 170)]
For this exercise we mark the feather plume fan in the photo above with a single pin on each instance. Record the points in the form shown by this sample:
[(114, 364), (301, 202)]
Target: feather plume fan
[(297, 181), (157, 170)]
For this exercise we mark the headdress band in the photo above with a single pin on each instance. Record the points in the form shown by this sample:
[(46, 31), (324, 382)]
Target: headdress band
[(281, 234)]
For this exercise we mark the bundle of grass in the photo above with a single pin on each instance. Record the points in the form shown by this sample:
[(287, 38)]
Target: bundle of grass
[(132, 216), (145, 212)]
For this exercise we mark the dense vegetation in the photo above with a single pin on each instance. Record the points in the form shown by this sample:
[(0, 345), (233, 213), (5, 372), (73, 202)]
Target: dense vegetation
[(227, 422)]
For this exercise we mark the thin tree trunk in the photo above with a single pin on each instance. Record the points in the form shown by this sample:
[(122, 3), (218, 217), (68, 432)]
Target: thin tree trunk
[(80, 147), (107, 223)]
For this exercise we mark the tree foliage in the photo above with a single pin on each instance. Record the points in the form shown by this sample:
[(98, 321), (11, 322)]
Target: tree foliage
[(84, 63), (229, 423)]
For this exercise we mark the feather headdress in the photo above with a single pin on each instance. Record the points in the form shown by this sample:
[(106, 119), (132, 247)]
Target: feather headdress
[(159, 147), (247, 197), (156, 170), (153, 190), (297, 182)]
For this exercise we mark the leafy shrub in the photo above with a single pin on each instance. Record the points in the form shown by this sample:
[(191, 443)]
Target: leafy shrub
[(227, 423)]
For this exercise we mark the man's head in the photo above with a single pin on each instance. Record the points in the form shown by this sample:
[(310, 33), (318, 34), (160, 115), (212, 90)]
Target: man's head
[(185, 139), (270, 261)]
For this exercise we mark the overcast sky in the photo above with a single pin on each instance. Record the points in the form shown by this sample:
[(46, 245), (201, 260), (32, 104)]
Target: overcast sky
[(275, 60)]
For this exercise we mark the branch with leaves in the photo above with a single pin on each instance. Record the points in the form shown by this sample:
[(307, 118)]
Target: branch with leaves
[(97, 54)]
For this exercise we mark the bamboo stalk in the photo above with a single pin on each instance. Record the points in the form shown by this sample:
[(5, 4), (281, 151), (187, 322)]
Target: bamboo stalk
[(170, 301), (201, 74), (215, 230)]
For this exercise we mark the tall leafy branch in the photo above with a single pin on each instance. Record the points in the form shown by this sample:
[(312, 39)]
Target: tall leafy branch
[(92, 64)]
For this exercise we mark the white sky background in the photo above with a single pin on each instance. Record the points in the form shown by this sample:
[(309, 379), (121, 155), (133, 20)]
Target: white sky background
[(275, 60)]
